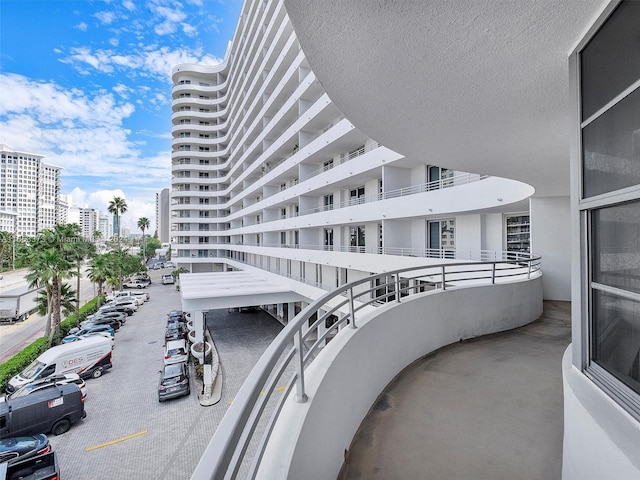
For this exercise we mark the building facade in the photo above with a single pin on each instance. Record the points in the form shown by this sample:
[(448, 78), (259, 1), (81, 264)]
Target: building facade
[(163, 215), (88, 222), (267, 171), (30, 188), (270, 173)]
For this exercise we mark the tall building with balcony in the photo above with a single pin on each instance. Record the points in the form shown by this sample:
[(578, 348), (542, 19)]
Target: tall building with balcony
[(89, 222), (30, 188), (338, 142), (162, 215)]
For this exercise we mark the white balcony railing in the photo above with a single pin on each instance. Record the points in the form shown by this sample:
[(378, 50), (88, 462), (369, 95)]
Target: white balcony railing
[(247, 425)]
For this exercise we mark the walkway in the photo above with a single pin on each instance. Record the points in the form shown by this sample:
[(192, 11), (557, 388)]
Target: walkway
[(487, 408)]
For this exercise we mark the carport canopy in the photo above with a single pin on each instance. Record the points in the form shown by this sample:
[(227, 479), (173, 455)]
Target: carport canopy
[(234, 289)]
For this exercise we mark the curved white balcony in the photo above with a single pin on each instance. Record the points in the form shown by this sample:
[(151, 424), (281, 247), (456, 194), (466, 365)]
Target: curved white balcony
[(311, 425)]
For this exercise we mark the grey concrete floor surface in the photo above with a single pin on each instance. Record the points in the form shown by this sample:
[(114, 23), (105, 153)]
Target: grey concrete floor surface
[(486, 408), (128, 434)]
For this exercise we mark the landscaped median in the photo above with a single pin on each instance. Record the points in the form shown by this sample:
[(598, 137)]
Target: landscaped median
[(21, 360)]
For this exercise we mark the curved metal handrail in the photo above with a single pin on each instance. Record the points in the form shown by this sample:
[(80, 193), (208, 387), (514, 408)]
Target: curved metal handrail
[(297, 344)]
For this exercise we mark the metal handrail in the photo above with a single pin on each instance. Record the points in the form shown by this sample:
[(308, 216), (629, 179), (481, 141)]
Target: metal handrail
[(297, 345)]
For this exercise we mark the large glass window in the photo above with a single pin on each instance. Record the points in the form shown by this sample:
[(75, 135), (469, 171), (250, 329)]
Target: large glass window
[(611, 148), (608, 66), (615, 265), (607, 69)]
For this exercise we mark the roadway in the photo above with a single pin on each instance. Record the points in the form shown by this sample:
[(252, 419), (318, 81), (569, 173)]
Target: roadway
[(16, 336)]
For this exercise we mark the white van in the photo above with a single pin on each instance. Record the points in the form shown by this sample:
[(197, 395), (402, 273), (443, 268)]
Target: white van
[(88, 358)]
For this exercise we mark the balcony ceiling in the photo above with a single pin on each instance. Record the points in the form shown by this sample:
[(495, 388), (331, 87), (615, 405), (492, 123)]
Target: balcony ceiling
[(475, 85)]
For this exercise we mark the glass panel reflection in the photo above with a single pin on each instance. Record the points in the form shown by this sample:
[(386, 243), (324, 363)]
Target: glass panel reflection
[(611, 148), (616, 246), (616, 337)]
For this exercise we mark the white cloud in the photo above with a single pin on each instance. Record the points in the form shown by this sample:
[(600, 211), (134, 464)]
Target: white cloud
[(82, 27), (81, 132), (129, 5), (106, 18)]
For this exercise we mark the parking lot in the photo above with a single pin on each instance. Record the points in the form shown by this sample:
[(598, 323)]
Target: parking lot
[(127, 433)]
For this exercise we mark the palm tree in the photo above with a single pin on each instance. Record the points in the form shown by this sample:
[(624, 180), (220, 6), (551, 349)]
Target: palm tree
[(144, 224), (48, 267), (117, 207), (99, 272)]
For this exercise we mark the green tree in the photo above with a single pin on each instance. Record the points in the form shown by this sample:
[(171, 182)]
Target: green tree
[(144, 224), (151, 246), (117, 207), (47, 268), (7, 243), (99, 273), (67, 301)]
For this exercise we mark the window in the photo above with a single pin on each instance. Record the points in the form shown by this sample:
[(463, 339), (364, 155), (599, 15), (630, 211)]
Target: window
[(441, 239), (356, 195), (328, 202), (518, 233), (356, 238), (328, 239), (609, 136)]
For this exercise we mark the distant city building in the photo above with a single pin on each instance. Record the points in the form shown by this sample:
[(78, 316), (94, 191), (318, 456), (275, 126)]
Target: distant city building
[(8, 221), (89, 222), (116, 226), (126, 232), (105, 226), (29, 188), (162, 215)]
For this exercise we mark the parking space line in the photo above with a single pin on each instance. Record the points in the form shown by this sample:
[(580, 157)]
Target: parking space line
[(117, 440)]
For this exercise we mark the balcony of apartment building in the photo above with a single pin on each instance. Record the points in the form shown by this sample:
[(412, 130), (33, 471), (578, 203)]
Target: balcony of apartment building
[(341, 342)]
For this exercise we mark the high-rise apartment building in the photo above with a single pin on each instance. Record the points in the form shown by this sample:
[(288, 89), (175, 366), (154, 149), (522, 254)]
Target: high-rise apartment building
[(334, 144), (162, 215), (89, 222), (30, 188)]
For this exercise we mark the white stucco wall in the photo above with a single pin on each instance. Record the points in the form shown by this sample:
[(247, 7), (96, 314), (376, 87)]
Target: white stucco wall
[(494, 232), (468, 235), (601, 440), (343, 382), (551, 239)]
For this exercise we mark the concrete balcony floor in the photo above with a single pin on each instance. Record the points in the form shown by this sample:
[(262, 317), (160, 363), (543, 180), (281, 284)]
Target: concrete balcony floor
[(486, 408)]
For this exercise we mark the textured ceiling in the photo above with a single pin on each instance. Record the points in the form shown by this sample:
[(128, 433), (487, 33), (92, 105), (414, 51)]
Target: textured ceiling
[(476, 85)]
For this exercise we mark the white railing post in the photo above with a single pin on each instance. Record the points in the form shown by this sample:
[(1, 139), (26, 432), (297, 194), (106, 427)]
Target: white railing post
[(493, 273), (301, 396), (352, 309), (444, 285), (398, 287)]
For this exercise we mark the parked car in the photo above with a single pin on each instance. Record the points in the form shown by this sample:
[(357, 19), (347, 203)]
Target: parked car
[(89, 358), (133, 301), (141, 295), (179, 314), (39, 467), (168, 279), (77, 338), (175, 334), (174, 381), (120, 316), (175, 351), (14, 449), (169, 265), (78, 331), (50, 382), (99, 320), (49, 410), (116, 308), (158, 266), (135, 284)]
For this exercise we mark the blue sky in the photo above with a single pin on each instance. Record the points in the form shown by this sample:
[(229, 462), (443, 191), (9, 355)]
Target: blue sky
[(87, 84)]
